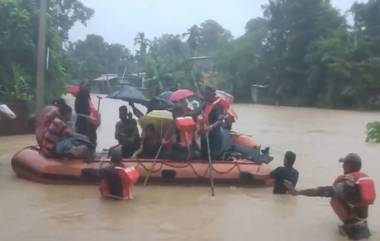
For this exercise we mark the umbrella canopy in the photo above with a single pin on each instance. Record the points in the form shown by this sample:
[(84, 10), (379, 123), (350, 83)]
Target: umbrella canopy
[(166, 95), (224, 95), (181, 94), (129, 93), (162, 120), (6, 111), (159, 103)]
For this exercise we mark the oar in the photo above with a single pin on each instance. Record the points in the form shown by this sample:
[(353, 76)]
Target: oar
[(154, 163), (99, 99), (155, 158), (210, 165)]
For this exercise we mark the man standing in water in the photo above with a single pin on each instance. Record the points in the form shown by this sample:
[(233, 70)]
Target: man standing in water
[(350, 194), (287, 172)]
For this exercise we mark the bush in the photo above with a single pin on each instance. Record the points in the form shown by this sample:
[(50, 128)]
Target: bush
[(373, 132)]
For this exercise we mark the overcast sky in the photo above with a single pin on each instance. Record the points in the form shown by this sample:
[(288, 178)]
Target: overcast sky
[(118, 21)]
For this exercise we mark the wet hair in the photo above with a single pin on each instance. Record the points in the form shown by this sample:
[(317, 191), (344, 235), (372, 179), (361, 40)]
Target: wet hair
[(59, 102), (81, 101), (123, 108), (116, 155), (65, 109), (150, 127), (353, 160), (290, 158)]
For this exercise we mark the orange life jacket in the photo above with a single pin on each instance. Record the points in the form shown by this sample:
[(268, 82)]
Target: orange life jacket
[(186, 127), (128, 177), (366, 191), (204, 118)]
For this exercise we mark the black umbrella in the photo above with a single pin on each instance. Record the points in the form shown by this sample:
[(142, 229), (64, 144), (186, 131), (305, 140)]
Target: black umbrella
[(166, 95), (129, 93), (159, 103)]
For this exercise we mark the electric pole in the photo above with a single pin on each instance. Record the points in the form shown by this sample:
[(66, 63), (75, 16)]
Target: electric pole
[(41, 56)]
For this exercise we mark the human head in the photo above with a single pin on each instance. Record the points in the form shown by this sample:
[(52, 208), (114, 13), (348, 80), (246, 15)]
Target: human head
[(65, 112), (289, 159), (149, 131), (58, 102), (209, 93), (351, 163), (116, 156), (84, 89), (123, 112)]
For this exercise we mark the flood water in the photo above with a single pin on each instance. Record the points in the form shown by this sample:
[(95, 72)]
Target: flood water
[(32, 211)]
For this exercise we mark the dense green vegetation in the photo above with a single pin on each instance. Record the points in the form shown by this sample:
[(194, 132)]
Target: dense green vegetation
[(373, 132), (306, 52), (18, 41)]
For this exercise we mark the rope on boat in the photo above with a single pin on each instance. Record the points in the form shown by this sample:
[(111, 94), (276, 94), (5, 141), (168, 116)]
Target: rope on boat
[(189, 164)]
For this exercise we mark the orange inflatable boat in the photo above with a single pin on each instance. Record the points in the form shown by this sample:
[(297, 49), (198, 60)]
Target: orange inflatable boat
[(30, 164)]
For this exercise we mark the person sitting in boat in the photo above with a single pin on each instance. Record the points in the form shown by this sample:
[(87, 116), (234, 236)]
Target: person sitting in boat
[(53, 135), (351, 194), (211, 117), (151, 144), (127, 133), (287, 172), (220, 141), (117, 180), (184, 146)]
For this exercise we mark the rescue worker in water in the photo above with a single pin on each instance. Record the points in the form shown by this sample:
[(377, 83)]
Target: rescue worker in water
[(351, 194), (117, 179)]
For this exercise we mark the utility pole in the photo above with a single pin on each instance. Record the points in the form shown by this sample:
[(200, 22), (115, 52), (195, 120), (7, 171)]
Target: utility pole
[(41, 56)]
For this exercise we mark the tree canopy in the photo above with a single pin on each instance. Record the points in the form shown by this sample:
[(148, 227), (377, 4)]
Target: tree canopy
[(305, 52)]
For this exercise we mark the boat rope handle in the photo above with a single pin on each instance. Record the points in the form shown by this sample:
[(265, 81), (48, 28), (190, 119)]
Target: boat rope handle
[(165, 163)]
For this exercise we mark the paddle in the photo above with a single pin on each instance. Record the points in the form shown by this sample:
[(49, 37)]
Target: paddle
[(154, 163), (155, 159), (210, 165)]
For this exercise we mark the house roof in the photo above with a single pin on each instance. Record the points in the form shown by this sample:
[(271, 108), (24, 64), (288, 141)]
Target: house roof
[(105, 77)]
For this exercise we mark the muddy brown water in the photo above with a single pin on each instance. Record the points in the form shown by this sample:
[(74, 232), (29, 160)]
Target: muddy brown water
[(32, 211)]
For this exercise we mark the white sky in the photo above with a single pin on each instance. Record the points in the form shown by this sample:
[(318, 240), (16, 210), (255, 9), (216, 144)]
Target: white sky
[(118, 21)]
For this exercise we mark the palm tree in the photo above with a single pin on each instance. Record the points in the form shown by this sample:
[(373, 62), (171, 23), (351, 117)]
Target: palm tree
[(193, 39), (142, 43)]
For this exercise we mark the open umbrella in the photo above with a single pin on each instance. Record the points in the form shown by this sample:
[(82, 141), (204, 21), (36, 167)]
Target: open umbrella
[(166, 95), (224, 95), (181, 94), (6, 111), (162, 120), (129, 93), (159, 103)]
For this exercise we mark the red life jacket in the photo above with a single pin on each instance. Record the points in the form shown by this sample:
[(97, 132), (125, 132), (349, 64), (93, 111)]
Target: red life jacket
[(128, 177), (366, 191), (208, 108), (186, 127)]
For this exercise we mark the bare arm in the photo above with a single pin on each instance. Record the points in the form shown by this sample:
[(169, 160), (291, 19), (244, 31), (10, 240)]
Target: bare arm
[(136, 111), (117, 131), (326, 191)]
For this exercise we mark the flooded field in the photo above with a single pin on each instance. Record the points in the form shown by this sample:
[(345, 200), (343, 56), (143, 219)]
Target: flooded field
[(32, 211)]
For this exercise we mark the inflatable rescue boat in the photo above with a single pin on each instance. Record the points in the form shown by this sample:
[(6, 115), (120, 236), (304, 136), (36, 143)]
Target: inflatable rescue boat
[(30, 164)]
